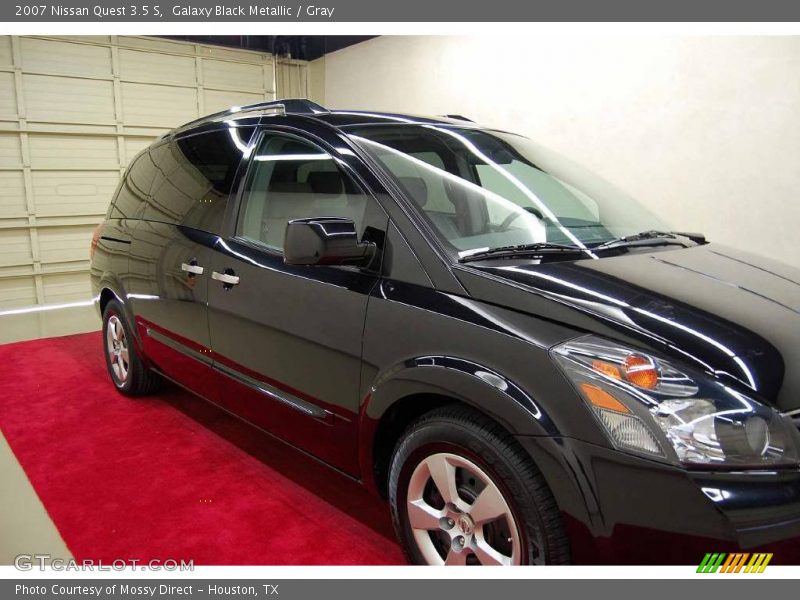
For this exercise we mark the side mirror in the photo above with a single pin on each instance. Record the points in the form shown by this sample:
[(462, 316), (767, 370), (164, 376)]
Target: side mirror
[(325, 241)]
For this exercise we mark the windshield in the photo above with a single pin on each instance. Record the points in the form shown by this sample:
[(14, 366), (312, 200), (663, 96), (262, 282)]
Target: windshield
[(486, 189)]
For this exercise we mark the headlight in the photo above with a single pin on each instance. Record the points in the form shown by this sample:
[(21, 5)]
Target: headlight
[(650, 406)]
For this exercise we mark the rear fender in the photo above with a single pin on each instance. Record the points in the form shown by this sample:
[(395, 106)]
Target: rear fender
[(109, 282)]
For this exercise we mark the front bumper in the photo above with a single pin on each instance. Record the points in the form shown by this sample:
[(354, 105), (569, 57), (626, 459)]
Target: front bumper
[(619, 508)]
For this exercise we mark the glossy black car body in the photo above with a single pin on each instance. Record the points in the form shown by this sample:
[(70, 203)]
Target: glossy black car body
[(338, 360)]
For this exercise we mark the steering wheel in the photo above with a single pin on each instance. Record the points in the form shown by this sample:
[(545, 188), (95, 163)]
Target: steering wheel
[(516, 215)]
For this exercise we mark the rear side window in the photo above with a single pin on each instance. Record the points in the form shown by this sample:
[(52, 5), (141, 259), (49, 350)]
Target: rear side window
[(195, 176), (134, 189), (294, 179)]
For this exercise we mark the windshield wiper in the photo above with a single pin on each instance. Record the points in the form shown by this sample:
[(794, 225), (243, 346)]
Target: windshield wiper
[(645, 238), (650, 238), (540, 249)]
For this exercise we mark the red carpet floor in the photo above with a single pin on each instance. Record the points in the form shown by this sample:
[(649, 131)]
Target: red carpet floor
[(172, 477)]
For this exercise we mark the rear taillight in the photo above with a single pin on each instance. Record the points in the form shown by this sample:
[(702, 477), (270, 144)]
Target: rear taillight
[(95, 239)]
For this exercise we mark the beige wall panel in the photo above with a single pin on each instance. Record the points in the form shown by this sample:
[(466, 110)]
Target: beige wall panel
[(141, 131), (66, 287), (65, 244), (6, 59), (292, 80), (155, 105), (233, 75), (73, 152), (134, 145), (64, 58), (156, 45), (81, 128), (71, 193), (89, 39), (10, 150), (216, 100), (59, 99), (16, 247), (8, 96), (17, 291), (164, 68), (234, 55), (12, 197)]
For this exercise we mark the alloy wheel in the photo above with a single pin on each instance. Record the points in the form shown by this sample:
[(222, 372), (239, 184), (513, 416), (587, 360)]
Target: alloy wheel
[(459, 516), (117, 348)]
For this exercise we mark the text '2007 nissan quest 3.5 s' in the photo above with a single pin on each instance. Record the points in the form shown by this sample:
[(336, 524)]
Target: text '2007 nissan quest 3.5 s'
[(529, 365)]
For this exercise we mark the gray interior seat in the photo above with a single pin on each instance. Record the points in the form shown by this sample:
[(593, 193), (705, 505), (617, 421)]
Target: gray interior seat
[(417, 190), (321, 195), (285, 201)]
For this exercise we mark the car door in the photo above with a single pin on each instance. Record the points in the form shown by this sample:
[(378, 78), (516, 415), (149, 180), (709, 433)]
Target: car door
[(171, 254), (287, 339)]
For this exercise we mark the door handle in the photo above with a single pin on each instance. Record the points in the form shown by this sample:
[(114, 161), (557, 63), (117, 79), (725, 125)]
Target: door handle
[(226, 278), (193, 269)]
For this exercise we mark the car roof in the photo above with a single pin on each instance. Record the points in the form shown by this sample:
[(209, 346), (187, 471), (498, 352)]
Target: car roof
[(307, 108)]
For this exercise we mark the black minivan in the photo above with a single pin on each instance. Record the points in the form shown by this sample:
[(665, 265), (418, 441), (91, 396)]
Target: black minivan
[(528, 364)]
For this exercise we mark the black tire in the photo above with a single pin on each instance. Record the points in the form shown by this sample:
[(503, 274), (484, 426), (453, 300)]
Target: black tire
[(138, 380), (462, 432)]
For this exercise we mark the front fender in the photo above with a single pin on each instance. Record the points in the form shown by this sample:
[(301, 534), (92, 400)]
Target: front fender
[(462, 380), (472, 383), (494, 395)]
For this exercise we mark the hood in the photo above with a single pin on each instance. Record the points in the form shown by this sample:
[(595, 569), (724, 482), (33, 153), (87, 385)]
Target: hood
[(721, 310)]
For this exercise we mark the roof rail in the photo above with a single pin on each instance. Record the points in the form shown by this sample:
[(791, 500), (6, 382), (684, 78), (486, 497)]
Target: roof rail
[(289, 105), (459, 118), (281, 107)]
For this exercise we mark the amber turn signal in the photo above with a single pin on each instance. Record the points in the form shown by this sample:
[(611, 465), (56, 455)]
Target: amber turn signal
[(640, 371), (602, 399), (606, 368)]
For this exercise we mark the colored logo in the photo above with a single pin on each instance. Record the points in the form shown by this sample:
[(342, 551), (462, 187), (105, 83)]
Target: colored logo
[(734, 563), (465, 524)]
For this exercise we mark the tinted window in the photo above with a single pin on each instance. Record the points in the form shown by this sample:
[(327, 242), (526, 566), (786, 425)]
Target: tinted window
[(195, 179), (293, 179), (133, 191)]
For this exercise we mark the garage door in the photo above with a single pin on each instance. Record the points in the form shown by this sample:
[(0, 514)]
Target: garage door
[(73, 112)]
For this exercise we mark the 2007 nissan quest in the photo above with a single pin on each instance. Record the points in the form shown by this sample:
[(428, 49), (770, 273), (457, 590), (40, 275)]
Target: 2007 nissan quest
[(530, 366)]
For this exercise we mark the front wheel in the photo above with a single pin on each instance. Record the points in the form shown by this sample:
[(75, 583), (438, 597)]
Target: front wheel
[(462, 492)]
